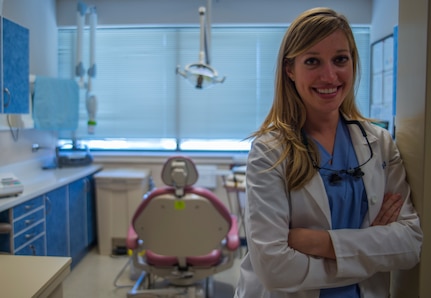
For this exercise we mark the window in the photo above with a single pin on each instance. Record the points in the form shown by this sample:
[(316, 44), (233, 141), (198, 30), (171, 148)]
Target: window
[(144, 105)]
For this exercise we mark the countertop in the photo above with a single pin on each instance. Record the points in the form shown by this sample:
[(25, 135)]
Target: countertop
[(22, 276), (37, 181)]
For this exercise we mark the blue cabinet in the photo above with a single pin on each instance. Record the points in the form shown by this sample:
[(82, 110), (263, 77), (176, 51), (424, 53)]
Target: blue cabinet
[(56, 222), (31, 242), (61, 222), (91, 212), (28, 222), (70, 218), (15, 68), (78, 220), (34, 248), (82, 218)]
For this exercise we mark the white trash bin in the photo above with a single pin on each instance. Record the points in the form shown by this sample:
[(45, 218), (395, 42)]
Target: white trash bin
[(118, 194)]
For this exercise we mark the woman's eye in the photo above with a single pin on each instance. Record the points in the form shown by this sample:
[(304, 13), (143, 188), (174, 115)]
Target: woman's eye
[(311, 61), (341, 59)]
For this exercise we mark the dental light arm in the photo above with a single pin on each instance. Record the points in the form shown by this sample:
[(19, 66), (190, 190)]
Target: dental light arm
[(90, 98), (79, 70), (201, 75), (203, 54), (93, 25), (207, 31)]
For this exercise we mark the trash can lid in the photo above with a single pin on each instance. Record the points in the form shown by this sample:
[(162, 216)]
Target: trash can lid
[(122, 173)]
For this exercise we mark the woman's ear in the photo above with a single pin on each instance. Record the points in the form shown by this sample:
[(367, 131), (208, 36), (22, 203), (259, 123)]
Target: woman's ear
[(289, 72)]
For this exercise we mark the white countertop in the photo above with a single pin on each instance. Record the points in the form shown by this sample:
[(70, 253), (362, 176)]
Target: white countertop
[(32, 276), (37, 181)]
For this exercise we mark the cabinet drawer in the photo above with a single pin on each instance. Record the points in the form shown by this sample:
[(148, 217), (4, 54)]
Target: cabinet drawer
[(28, 206), (29, 235), (33, 248), (28, 220)]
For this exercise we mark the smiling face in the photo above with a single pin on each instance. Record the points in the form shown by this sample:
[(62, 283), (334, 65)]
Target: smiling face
[(324, 75)]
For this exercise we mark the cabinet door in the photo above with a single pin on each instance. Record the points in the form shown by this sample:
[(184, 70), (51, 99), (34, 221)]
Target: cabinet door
[(56, 222), (15, 43), (77, 220)]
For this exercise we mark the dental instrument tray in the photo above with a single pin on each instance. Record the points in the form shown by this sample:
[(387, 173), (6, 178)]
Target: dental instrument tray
[(70, 155)]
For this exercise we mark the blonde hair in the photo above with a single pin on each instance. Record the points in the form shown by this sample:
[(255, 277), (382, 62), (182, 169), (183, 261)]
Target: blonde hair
[(287, 115)]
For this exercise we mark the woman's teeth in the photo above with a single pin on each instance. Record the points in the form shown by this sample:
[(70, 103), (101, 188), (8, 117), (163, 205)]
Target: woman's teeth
[(327, 91)]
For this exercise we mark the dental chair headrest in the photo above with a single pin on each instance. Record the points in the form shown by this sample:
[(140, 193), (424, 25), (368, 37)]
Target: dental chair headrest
[(179, 172)]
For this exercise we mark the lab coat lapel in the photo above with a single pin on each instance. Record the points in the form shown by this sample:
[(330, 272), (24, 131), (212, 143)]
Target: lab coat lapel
[(315, 190), (360, 144), (371, 180)]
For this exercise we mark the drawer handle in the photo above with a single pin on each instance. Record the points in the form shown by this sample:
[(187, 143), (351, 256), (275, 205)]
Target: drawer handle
[(29, 236), (48, 205), (6, 103), (28, 222), (33, 249), (28, 207)]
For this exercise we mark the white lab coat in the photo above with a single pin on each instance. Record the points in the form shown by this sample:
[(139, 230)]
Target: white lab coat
[(272, 269)]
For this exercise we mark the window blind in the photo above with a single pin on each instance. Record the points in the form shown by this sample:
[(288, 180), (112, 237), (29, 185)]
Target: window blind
[(142, 100)]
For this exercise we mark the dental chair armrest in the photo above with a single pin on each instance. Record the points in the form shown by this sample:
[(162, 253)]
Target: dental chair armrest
[(232, 238), (132, 238)]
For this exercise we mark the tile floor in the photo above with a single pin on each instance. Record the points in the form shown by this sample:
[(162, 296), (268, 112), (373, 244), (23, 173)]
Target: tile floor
[(95, 276)]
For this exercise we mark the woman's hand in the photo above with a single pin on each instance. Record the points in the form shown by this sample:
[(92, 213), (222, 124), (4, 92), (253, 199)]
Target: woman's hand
[(316, 243), (390, 210)]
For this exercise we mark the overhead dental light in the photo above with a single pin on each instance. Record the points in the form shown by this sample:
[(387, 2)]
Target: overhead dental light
[(201, 75), (90, 100)]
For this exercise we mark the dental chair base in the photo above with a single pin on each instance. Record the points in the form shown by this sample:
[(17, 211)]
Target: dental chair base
[(142, 289)]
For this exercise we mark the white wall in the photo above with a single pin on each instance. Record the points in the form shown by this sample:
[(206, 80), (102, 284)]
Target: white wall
[(384, 18)]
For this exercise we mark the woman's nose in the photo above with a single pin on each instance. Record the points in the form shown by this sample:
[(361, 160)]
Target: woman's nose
[(328, 73)]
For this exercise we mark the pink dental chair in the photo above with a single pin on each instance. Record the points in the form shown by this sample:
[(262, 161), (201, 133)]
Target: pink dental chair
[(180, 235)]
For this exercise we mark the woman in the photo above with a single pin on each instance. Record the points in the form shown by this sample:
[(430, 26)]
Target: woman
[(328, 210)]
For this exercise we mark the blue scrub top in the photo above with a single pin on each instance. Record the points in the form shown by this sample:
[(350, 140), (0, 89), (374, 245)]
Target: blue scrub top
[(347, 198)]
